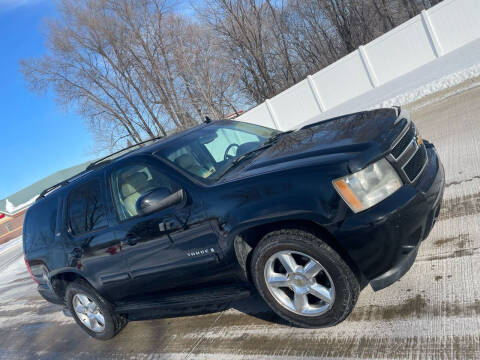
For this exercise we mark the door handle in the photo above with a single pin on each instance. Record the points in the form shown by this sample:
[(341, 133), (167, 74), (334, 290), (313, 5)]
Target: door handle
[(130, 239), (162, 226), (167, 225), (77, 253)]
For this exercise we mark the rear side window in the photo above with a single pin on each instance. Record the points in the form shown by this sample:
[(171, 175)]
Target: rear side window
[(40, 224), (86, 208)]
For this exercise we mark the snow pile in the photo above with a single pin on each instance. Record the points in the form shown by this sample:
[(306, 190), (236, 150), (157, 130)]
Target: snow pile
[(12, 209), (10, 244), (433, 87)]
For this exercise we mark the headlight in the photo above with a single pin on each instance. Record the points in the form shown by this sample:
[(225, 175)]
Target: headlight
[(368, 186)]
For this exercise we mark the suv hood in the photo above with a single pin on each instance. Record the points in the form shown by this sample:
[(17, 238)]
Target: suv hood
[(356, 139)]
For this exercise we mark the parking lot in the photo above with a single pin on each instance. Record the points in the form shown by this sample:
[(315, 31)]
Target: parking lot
[(432, 312)]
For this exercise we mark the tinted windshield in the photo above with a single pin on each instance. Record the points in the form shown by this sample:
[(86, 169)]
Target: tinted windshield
[(206, 152)]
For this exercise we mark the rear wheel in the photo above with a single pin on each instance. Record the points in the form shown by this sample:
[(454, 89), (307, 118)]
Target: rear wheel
[(303, 280), (94, 314)]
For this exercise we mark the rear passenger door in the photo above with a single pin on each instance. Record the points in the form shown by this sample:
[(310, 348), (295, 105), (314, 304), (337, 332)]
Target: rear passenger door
[(91, 245)]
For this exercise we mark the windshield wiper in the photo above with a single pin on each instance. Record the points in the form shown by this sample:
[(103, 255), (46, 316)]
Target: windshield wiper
[(270, 141), (241, 158)]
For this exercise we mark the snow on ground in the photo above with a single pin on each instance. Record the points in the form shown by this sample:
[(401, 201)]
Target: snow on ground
[(12, 266), (20, 303), (12, 243), (433, 87), (445, 72)]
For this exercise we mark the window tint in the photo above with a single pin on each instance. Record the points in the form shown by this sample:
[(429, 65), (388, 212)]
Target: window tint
[(40, 223), (86, 208), (133, 181)]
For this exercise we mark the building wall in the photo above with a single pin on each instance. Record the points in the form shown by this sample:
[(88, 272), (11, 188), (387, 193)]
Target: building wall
[(11, 226)]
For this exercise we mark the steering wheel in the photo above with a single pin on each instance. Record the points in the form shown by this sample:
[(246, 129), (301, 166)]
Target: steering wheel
[(227, 156)]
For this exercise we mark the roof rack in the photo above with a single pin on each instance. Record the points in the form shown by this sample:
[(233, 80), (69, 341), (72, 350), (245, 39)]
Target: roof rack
[(47, 190), (107, 159), (60, 184), (97, 163)]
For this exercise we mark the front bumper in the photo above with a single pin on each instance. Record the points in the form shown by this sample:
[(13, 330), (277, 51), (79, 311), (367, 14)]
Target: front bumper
[(383, 241)]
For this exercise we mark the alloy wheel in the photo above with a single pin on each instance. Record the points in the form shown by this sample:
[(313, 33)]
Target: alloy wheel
[(299, 283), (88, 312)]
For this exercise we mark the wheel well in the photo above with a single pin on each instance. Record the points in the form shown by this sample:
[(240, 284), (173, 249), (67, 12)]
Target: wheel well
[(60, 282), (247, 240)]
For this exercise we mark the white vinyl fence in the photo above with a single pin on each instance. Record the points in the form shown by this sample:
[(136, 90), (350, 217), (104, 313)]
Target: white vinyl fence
[(442, 29)]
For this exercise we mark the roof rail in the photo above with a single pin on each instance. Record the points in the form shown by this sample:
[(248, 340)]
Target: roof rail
[(60, 184), (96, 163), (91, 166), (47, 190)]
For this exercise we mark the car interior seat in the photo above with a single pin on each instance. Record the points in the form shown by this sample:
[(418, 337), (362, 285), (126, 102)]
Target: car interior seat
[(134, 186), (188, 162)]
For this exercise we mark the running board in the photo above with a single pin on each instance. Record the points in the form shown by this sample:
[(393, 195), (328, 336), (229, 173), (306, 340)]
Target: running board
[(187, 299)]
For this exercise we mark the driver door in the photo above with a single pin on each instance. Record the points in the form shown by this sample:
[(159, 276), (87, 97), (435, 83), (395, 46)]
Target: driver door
[(159, 246)]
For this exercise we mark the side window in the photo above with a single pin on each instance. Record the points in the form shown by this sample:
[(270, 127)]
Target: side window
[(86, 208), (133, 181), (40, 223), (224, 138)]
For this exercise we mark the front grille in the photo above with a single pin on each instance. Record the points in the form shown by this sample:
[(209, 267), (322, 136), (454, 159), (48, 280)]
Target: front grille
[(400, 147), (415, 165), (407, 156)]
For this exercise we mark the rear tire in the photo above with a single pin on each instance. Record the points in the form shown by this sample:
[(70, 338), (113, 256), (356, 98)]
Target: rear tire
[(321, 294), (94, 314)]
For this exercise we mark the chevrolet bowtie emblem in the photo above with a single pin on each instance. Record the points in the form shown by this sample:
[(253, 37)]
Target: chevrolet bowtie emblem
[(419, 140)]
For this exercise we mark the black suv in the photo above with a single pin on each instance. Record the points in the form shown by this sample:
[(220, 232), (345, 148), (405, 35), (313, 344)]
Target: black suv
[(308, 217)]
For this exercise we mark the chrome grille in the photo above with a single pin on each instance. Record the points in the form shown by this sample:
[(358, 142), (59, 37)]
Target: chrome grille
[(409, 157), (400, 147), (415, 165)]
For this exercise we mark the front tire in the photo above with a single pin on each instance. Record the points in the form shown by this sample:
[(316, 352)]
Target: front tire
[(302, 279), (94, 314)]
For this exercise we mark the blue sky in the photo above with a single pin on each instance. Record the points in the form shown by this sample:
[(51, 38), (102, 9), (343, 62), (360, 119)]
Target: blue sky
[(37, 137)]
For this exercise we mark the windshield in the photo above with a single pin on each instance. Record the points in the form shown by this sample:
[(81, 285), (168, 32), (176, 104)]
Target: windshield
[(207, 152)]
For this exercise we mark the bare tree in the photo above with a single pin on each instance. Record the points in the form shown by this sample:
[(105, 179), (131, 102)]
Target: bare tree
[(242, 29), (274, 44), (124, 69), (136, 69), (209, 81)]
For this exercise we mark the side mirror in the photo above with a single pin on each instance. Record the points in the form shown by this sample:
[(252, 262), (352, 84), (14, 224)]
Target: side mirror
[(159, 199)]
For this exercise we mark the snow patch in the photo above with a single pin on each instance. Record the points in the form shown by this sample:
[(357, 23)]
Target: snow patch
[(10, 244), (12, 209), (433, 87)]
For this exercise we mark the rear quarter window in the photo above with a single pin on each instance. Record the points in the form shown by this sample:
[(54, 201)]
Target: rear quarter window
[(40, 224)]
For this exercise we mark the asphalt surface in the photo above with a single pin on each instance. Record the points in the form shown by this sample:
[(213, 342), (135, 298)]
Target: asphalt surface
[(431, 313)]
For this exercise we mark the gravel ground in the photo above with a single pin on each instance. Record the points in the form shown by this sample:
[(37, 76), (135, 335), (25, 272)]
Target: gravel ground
[(431, 313)]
